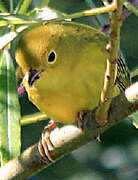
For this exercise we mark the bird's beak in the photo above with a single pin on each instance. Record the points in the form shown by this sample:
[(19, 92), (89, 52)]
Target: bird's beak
[(28, 80), (33, 76)]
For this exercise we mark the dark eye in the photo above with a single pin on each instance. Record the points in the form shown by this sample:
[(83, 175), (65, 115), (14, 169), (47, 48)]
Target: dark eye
[(52, 57)]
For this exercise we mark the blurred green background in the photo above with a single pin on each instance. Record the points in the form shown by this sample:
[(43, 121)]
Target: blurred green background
[(116, 156)]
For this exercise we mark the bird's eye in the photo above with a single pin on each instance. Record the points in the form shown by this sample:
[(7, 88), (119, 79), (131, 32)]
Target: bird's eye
[(52, 57)]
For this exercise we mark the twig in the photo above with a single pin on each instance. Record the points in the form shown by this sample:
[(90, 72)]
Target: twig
[(93, 11), (68, 138), (131, 8), (16, 19), (37, 117), (111, 67)]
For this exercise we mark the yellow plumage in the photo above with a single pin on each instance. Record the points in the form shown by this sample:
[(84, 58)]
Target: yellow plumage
[(64, 65)]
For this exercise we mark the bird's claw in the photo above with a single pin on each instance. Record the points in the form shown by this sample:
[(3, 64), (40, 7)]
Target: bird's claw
[(45, 143)]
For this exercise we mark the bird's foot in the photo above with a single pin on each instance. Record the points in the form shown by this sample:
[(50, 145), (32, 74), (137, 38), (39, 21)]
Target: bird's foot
[(45, 143), (85, 122), (81, 119)]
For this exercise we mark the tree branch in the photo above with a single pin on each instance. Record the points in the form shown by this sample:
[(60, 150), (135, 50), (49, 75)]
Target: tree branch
[(69, 138), (111, 65)]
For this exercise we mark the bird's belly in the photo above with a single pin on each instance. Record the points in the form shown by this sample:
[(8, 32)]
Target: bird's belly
[(64, 104)]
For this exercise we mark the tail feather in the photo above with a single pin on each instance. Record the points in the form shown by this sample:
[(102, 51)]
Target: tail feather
[(123, 79)]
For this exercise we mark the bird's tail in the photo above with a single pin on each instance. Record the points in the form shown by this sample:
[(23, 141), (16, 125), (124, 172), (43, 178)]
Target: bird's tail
[(123, 78)]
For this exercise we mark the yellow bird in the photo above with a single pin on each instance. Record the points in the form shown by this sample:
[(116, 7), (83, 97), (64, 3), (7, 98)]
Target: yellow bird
[(64, 65)]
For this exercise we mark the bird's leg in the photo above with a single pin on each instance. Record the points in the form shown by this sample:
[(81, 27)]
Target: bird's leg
[(81, 116), (45, 142), (85, 120)]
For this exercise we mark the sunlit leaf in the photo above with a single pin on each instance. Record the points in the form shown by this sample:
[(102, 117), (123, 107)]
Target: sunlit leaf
[(10, 111)]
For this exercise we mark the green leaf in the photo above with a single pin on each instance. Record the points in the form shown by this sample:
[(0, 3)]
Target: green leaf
[(23, 6), (9, 110), (11, 5), (8, 19), (4, 149), (2, 7)]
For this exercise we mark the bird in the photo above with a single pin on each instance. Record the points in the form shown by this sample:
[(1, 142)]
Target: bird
[(64, 65)]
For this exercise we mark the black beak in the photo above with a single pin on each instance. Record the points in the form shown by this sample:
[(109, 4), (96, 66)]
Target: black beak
[(33, 76)]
